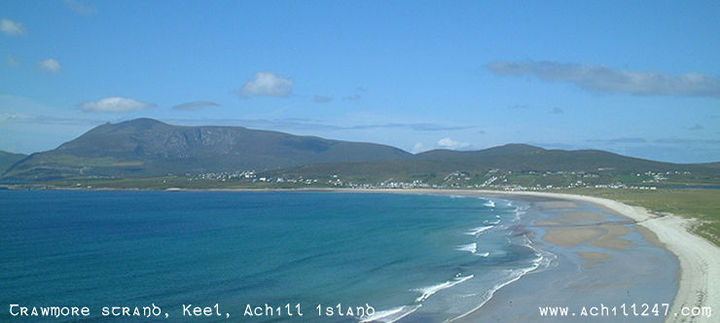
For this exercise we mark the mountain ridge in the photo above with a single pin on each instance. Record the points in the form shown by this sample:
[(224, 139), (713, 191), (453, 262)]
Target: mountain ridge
[(146, 147)]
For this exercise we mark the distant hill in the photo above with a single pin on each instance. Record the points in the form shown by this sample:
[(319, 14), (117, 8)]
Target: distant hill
[(713, 165), (512, 157), (509, 149), (147, 147), (7, 159), (522, 157)]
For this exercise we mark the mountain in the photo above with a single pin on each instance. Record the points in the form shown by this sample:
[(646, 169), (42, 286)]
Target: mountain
[(147, 147), (7, 159), (522, 157), (512, 157)]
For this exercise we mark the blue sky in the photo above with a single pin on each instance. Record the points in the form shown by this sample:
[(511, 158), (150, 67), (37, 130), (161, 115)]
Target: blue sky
[(632, 77)]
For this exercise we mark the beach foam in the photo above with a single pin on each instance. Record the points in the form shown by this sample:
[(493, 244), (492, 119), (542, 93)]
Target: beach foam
[(543, 261), (431, 290), (540, 263), (519, 211), (391, 315), (479, 230), (484, 290), (470, 247)]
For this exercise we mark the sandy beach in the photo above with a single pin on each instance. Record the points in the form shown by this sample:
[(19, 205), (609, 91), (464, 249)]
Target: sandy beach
[(699, 260), (572, 228)]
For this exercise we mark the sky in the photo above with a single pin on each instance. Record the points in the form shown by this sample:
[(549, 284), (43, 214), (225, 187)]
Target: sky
[(632, 77)]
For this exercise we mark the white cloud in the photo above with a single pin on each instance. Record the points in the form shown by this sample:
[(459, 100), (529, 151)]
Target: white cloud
[(5, 116), (50, 65), (195, 105), (601, 78), (80, 7), (12, 28), (451, 144), (268, 84), (114, 104), (418, 148)]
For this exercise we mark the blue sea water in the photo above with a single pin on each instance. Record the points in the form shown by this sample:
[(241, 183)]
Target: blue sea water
[(417, 257)]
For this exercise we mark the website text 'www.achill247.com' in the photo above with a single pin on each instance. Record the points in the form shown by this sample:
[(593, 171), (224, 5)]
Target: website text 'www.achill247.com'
[(624, 310)]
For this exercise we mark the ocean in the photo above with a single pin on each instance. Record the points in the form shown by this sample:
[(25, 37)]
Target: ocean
[(411, 257)]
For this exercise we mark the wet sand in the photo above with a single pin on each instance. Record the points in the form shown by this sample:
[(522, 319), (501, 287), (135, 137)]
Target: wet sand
[(567, 237), (601, 258)]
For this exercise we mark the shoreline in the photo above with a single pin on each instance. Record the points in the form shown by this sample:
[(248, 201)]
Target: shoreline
[(699, 259)]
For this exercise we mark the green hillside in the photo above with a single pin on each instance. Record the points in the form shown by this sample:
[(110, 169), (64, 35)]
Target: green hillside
[(7, 159), (146, 147), (515, 164)]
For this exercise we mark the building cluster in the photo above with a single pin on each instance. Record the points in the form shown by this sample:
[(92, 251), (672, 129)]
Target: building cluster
[(249, 176), (492, 179)]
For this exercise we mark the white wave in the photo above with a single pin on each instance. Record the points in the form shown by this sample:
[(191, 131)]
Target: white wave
[(543, 261), (484, 254), (493, 222), (479, 230), (429, 291), (497, 216), (489, 203), (391, 315), (470, 247), (545, 258), (519, 211), (457, 196), (517, 275)]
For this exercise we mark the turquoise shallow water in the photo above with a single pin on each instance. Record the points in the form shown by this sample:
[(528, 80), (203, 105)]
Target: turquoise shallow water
[(429, 257)]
